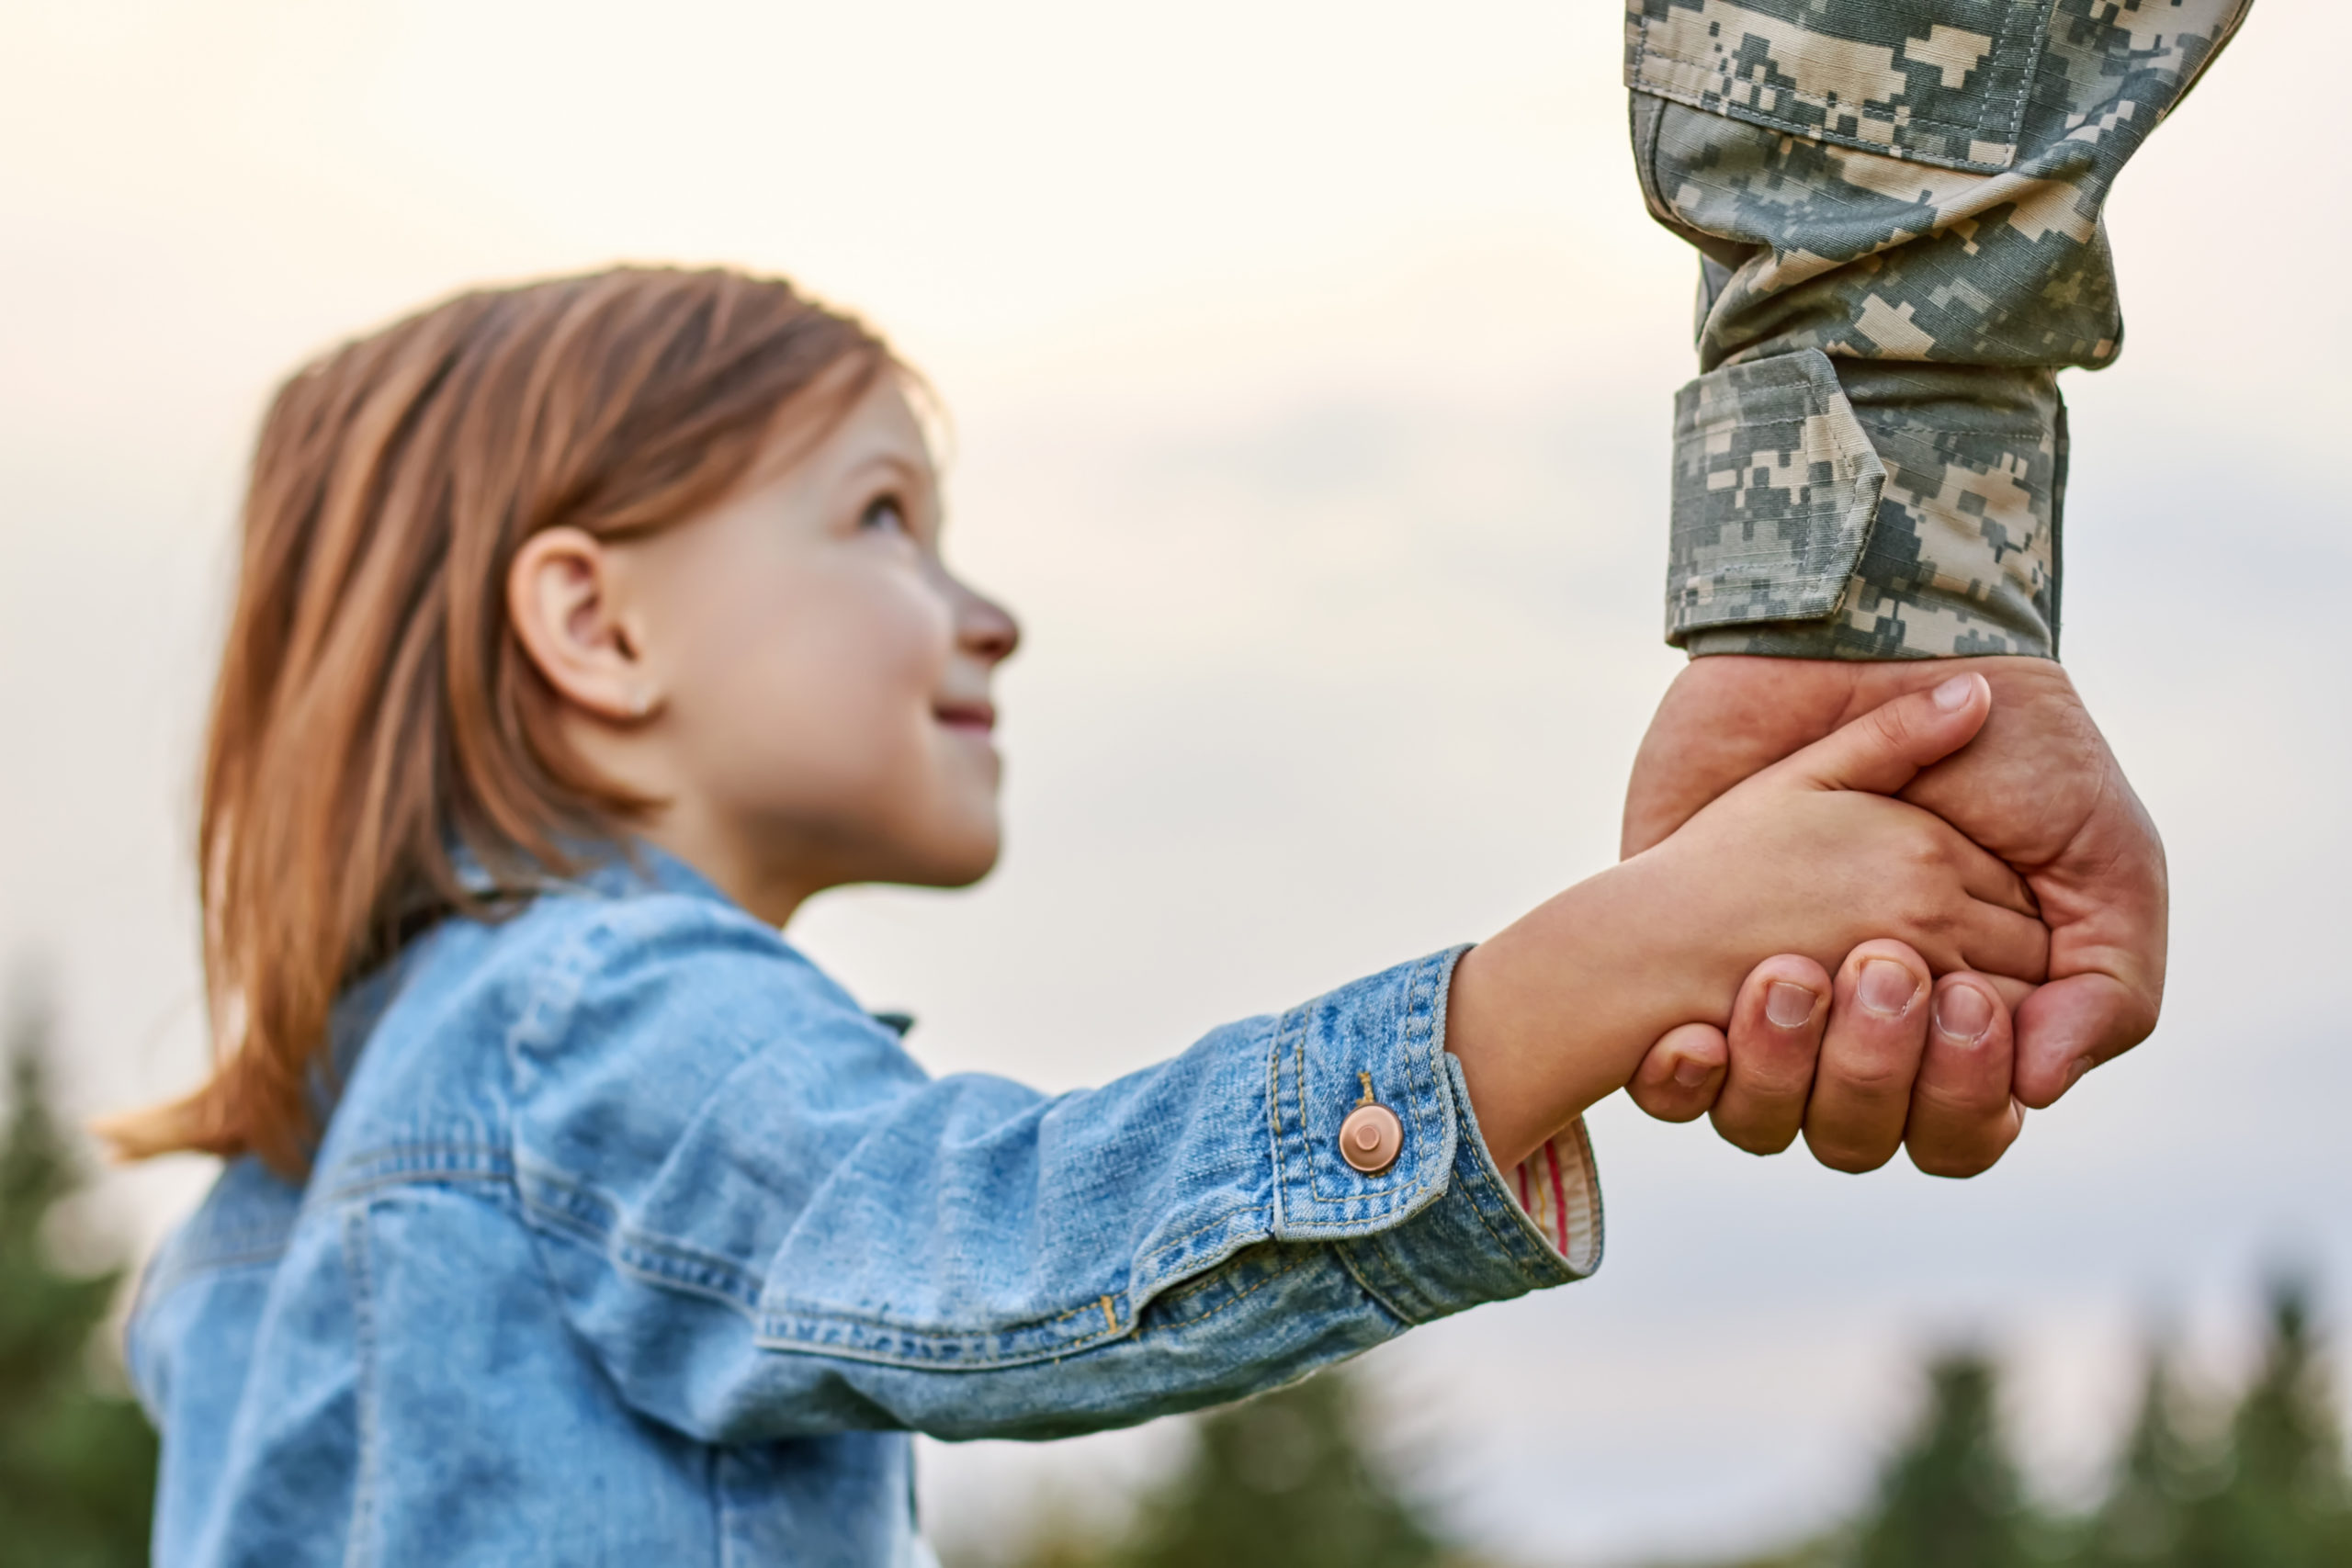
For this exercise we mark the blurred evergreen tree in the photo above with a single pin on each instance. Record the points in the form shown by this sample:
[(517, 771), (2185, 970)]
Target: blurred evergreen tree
[(2160, 1472), (1282, 1480), (1052, 1543), (1825, 1552), (1950, 1498), (2283, 1503), (77, 1464)]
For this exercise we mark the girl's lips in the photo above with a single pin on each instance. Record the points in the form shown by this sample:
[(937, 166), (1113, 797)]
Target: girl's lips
[(977, 716)]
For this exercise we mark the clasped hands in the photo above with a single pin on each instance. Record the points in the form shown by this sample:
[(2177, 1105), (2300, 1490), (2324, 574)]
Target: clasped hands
[(1893, 1051)]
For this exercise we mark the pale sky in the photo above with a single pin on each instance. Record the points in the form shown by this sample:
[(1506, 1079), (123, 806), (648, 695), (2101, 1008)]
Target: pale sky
[(1310, 367)]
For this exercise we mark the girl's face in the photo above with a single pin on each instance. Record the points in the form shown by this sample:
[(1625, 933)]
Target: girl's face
[(815, 682)]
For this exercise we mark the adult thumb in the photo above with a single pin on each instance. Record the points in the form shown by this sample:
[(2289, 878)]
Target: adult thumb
[(1887, 746)]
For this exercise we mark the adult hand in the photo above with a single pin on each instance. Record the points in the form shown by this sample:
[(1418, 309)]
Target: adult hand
[(2037, 787), (1881, 1057)]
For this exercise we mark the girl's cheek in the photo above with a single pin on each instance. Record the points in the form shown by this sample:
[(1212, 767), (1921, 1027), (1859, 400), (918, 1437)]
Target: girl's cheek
[(916, 625), (862, 644), (742, 610)]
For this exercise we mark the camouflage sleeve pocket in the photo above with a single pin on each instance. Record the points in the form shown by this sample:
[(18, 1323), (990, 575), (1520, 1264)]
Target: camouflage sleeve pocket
[(1775, 487)]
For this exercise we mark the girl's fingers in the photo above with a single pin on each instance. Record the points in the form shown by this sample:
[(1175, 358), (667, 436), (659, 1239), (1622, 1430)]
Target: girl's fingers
[(1983, 874), (1986, 876), (1681, 1078), (1869, 1057), (1963, 1118), (1996, 941), (1774, 1040)]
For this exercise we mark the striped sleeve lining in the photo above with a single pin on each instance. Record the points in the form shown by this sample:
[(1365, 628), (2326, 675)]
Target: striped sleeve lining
[(1560, 1190)]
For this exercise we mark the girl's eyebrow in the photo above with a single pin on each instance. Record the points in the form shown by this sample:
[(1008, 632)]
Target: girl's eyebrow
[(905, 467), (918, 476)]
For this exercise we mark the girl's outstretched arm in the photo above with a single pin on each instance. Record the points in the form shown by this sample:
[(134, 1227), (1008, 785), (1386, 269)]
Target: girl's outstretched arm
[(766, 1221)]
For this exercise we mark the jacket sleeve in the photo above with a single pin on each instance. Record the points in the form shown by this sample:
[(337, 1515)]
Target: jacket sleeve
[(766, 1221), (1897, 206)]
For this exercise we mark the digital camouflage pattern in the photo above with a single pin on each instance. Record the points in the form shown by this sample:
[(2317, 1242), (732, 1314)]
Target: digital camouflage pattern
[(1896, 204)]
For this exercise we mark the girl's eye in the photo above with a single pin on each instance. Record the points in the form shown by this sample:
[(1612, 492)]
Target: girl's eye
[(885, 513)]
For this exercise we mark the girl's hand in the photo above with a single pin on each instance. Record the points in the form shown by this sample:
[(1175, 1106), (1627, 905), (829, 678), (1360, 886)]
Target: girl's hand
[(1811, 856), (1808, 858), (1881, 1058), (2040, 788)]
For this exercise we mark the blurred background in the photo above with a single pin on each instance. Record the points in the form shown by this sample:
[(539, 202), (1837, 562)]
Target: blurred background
[(1310, 367)]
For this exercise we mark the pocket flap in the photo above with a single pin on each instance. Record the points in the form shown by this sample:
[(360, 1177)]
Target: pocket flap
[(1775, 487)]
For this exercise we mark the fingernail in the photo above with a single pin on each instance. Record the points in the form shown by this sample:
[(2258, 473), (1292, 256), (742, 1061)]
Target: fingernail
[(1954, 693), (1887, 986), (1963, 1013), (1788, 1004), (2075, 1073), (1691, 1075)]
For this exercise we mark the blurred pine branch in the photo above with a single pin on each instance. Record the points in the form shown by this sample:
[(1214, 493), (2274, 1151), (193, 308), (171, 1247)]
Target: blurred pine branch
[(77, 1460)]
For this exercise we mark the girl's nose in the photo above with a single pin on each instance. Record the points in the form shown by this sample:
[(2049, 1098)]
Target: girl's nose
[(984, 628)]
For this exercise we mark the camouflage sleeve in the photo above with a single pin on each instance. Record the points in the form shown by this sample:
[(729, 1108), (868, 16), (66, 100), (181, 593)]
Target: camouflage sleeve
[(1896, 204)]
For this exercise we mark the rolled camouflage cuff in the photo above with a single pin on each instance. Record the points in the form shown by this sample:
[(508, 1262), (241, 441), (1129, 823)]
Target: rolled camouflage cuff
[(1866, 510)]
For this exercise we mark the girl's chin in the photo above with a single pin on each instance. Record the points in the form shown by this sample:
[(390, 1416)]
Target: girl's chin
[(961, 846), (975, 741), (973, 769), (958, 869)]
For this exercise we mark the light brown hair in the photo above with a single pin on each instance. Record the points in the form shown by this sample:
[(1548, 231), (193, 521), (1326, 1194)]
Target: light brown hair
[(375, 711)]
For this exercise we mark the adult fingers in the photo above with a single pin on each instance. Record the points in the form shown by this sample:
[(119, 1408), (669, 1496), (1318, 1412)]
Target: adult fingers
[(1683, 1073), (1886, 748), (1962, 1119), (1774, 1040), (1869, 1057)]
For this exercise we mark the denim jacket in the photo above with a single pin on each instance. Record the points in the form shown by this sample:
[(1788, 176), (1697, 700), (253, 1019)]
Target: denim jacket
[(632, 1239)]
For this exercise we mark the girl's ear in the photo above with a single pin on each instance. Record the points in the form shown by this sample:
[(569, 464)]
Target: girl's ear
[(563, 600)]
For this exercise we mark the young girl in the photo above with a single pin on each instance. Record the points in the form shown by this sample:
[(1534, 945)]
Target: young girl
[(585, 629)]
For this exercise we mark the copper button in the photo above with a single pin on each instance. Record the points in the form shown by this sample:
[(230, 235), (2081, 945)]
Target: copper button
[(1370, 1138)]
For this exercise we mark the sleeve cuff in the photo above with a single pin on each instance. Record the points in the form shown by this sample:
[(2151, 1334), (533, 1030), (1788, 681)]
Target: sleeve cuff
[(1380, 1040), (1559, 1188), (1478, 1243), (1859, 509), (1440, 1228)]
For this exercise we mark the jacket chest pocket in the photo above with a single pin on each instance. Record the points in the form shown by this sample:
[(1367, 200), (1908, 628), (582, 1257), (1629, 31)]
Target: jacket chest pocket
[(1942, 83)]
